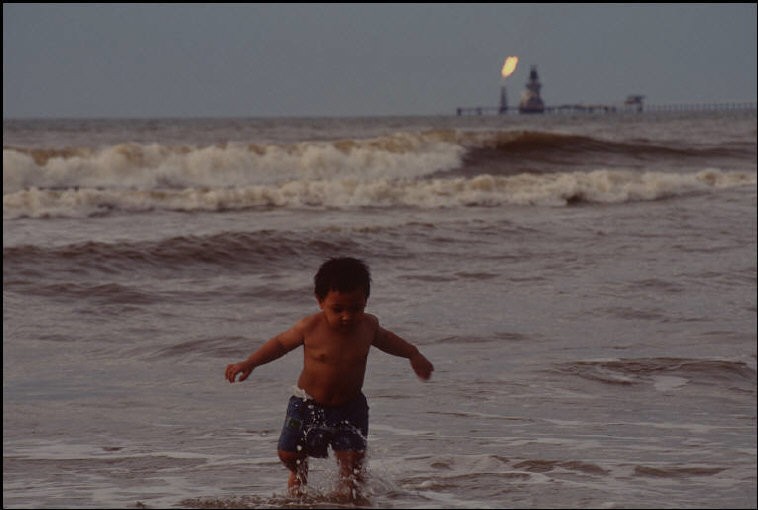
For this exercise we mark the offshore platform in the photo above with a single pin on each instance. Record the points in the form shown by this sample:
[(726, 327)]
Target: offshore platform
[(531, 102)]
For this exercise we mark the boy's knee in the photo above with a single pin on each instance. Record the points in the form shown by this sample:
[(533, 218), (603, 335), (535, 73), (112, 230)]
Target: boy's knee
[(350, 461), (291, 459)]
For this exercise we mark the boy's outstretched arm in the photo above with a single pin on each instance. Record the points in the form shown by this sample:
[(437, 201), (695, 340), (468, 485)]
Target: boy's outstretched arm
[(390, 343), (273, 349)]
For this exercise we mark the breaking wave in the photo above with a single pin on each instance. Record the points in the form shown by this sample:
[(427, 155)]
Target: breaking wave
[(438, 168), (601, 186)]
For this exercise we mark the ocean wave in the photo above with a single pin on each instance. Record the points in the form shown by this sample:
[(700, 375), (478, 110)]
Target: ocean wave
[(676, 471), (510, 153), (400, 155), (104, 294), (229, 251), (546, 142), (233, 164), (429, 169), (556, 189), (644, 370)]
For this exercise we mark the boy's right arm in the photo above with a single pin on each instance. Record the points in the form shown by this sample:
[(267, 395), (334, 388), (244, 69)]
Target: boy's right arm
[(273, 349)]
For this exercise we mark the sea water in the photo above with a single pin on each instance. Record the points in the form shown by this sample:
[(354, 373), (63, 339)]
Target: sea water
[(584, 285)]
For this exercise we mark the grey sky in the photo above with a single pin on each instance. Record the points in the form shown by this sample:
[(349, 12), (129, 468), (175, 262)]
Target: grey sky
[(247, 60)]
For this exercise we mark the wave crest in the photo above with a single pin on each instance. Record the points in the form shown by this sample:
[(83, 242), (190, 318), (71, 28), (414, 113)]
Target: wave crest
[(153, 166), (433, 168), (559, 189)]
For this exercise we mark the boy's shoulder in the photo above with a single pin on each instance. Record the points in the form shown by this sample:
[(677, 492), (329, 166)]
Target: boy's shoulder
[(310, 321), (372, 319)]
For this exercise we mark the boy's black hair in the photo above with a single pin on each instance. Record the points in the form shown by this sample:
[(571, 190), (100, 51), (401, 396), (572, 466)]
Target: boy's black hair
[(343, 274)]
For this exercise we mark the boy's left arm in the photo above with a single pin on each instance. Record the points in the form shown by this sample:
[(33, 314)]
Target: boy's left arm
[(390, 343)]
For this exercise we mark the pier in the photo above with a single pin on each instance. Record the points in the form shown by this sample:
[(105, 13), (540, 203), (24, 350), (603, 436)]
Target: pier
[(531, 102), (620, 108)]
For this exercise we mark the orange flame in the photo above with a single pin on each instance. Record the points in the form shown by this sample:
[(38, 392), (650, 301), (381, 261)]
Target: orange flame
[(509, 66)]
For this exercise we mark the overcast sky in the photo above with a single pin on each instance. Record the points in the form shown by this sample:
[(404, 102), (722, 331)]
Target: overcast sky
[(249, 60)]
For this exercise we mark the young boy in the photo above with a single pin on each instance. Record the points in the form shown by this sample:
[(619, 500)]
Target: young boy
[(329, 407)]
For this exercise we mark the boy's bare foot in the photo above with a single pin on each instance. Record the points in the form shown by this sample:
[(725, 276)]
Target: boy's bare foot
[(297, 481), (349, 492)]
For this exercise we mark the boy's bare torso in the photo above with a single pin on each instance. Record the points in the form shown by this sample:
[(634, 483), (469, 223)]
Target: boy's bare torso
[(334, 359), (336, 343)]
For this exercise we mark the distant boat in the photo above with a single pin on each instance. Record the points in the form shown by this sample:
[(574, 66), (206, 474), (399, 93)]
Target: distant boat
[(531, 102)]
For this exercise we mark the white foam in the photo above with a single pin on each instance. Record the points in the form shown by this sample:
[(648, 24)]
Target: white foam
[(155, 166), (602, 186), (668, 382)]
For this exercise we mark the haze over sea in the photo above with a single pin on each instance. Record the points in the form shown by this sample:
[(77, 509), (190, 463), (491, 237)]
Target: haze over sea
[(585, 286)]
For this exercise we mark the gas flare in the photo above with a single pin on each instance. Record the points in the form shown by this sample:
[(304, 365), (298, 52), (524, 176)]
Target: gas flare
[(509, 66)]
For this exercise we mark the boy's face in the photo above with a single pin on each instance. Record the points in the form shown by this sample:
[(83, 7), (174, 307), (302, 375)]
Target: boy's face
[(343, 309)]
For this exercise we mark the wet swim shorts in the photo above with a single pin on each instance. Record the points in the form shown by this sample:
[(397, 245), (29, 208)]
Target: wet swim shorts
[(311, 428)]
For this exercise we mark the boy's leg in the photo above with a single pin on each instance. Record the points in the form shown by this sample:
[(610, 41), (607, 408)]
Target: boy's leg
[(297, 463), (351, 471), (349, 445), (290, 449)]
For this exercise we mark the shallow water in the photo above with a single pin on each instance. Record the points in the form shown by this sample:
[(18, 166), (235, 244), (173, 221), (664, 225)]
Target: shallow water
[(585, 286)]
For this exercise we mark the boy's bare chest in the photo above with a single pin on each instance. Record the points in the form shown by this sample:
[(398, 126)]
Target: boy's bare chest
[(337, 351)]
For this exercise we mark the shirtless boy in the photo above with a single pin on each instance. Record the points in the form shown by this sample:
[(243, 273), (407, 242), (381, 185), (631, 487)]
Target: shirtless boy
[(329, 408)]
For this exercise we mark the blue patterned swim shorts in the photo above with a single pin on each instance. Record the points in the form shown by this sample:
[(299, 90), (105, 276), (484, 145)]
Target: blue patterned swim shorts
[(311, 428)]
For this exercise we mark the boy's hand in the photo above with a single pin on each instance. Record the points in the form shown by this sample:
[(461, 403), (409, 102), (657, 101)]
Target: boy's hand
[(237, 368), (422, 366)]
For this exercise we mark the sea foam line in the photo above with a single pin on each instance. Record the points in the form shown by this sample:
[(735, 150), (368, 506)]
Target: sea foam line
[(559, 189)]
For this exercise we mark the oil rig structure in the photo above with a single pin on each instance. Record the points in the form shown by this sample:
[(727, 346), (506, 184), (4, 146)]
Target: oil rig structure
[(531, 103)]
